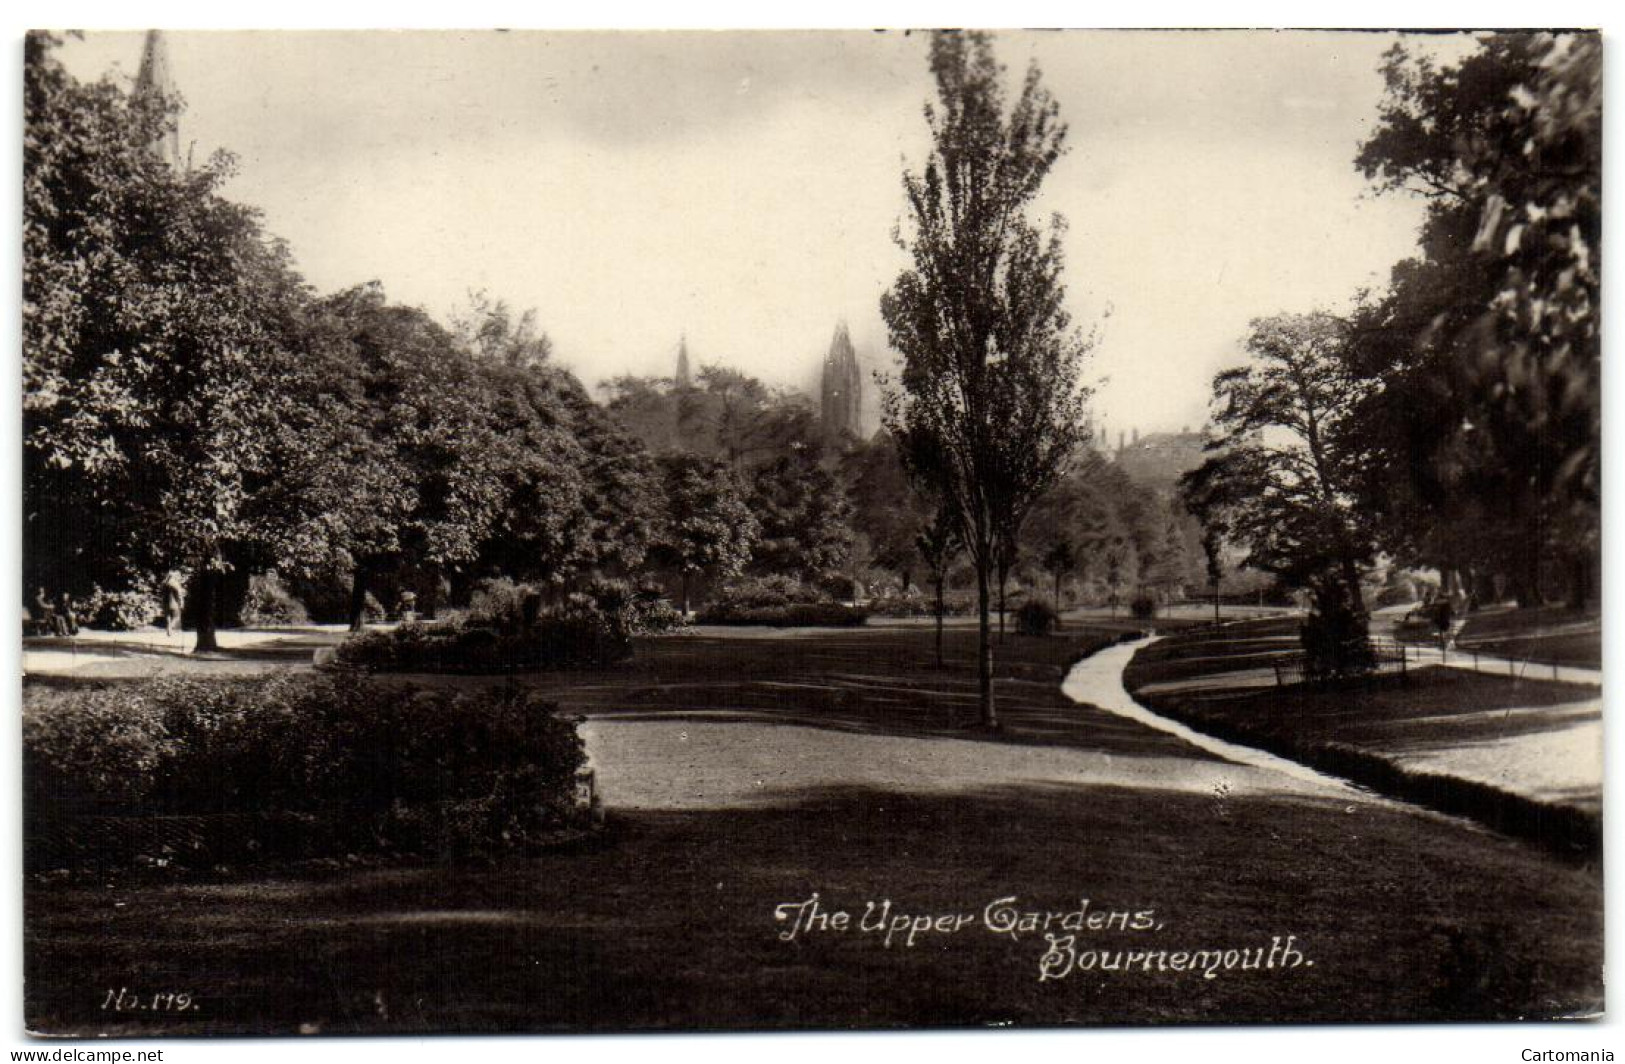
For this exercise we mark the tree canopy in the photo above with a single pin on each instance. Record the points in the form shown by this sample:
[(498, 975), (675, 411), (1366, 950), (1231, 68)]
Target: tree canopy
[(988, 410)]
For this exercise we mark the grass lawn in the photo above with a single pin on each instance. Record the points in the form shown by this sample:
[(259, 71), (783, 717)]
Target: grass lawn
[(1532, 738), (668, 921), (1549, 634)]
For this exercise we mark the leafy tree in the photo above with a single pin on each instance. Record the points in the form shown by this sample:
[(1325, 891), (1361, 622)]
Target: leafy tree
[(885, 508), (802, 514), (990, 409), (417, 461), (1059, 561), (157, 325), (939, 545), (706, 525), (489, 330), (646, 408), (1213, 556), (1280, 468), (1483, 437)]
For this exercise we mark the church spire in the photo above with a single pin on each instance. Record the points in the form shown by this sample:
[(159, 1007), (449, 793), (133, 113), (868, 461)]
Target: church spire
[(842, 391), (154, 79), (684, 378)]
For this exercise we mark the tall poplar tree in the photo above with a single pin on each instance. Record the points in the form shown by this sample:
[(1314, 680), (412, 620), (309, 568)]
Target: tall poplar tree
[(990, 408)]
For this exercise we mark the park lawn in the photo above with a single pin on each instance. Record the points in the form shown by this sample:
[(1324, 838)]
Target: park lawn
[(668, 920), (1434, 735), (1423, 709), (1550, 634), (880, 679)]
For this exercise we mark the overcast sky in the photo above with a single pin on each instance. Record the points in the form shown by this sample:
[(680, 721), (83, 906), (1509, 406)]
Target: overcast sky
[(742, 187)]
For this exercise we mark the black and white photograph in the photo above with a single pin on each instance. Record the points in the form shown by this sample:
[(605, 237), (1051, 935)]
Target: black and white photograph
[(666, 531)]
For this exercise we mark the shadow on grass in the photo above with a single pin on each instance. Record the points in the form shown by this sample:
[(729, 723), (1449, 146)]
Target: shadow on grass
[(883, 682), (671, 923)]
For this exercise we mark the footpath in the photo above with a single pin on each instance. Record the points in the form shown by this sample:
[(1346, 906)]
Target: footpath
[(1519, 748)]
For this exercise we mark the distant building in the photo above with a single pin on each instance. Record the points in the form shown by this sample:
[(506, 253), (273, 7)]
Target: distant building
[(684, 378), (1158, 459), (841, 394), (155, 80)]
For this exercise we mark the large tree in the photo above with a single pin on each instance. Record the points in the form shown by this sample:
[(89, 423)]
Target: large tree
[(706, 526), (1482, 437), (1279, 472), (158, 328), (990, 408), (886, 510), (416, 456)]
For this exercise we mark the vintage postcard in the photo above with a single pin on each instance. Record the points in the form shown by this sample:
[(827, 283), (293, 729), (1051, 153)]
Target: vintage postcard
[(752, 530)]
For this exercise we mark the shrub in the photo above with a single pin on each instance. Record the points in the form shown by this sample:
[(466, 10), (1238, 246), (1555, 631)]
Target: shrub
[(1035, 618), (1336, 642), (270, 603), (430, 770), (1143, 606), (794, 615), (567, 638), (500, 603), (836, 586), (639, 610), (121, 611), (766, 592), (913, 603), (654, 616)]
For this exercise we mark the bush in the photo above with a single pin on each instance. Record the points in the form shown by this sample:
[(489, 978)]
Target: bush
[(836, 586), (270, 603), (766, 592), (794, 615), (378, 768), (914, 603), (654, 616), (571, 637), (1336, 642), (121, 611), (1035, 618), (500, 603), (1143, 606), (639, 610)]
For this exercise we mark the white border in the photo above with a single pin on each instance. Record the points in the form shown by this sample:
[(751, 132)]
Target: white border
[(1335, 1045)]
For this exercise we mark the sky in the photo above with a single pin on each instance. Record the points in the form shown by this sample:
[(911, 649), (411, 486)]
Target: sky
[(741, 189)]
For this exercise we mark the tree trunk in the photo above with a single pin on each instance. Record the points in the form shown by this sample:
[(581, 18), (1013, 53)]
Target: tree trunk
[(685, 593), (208, 593), (984, 648), (430, 595), (1579, 581), (358, 598), (1351, 580), (1215, 602), (1001, 606), (1525, 579), (941, 608)]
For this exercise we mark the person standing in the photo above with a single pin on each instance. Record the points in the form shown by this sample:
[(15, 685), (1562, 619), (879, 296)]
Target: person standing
[(173, 592), (66, 622), (45, 614)]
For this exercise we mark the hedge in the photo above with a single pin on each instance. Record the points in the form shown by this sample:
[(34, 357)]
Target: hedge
[(353, 764), (571, 642), (795, 615)]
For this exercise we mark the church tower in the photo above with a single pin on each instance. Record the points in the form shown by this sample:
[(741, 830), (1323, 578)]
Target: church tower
[(154, 79), (842, 392), (684, 378)]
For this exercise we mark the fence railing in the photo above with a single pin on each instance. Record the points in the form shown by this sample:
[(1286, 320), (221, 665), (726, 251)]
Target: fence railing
[(1390, 655)]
